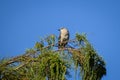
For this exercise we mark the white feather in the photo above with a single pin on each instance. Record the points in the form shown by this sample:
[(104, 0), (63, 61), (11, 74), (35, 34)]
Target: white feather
[(64, 35)]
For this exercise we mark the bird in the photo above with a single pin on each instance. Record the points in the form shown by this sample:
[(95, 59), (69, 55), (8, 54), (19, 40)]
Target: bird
[(63, 37)]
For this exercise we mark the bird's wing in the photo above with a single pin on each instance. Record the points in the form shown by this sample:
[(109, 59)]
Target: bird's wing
[(59, 37)]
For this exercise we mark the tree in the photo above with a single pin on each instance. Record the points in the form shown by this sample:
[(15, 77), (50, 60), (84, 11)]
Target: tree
[(46, 62)]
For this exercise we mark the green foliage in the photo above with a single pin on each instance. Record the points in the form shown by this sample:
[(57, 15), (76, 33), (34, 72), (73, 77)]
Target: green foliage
[(46, 62), (92, 65), (45, 65), (39, 46)]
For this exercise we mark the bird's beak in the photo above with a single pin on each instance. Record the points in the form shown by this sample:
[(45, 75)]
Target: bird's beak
[(58, 29)]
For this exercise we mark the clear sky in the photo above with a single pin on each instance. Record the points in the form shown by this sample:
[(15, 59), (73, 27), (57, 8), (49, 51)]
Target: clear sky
[(23, 22)]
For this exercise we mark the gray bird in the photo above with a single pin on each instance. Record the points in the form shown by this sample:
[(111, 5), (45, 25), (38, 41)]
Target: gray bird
[(63, 38)]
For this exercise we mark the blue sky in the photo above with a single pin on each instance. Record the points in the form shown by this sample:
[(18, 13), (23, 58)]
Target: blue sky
[(23, 22)]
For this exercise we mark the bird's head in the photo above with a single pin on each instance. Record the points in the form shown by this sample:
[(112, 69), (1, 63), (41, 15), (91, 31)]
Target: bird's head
[(63, 29)]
